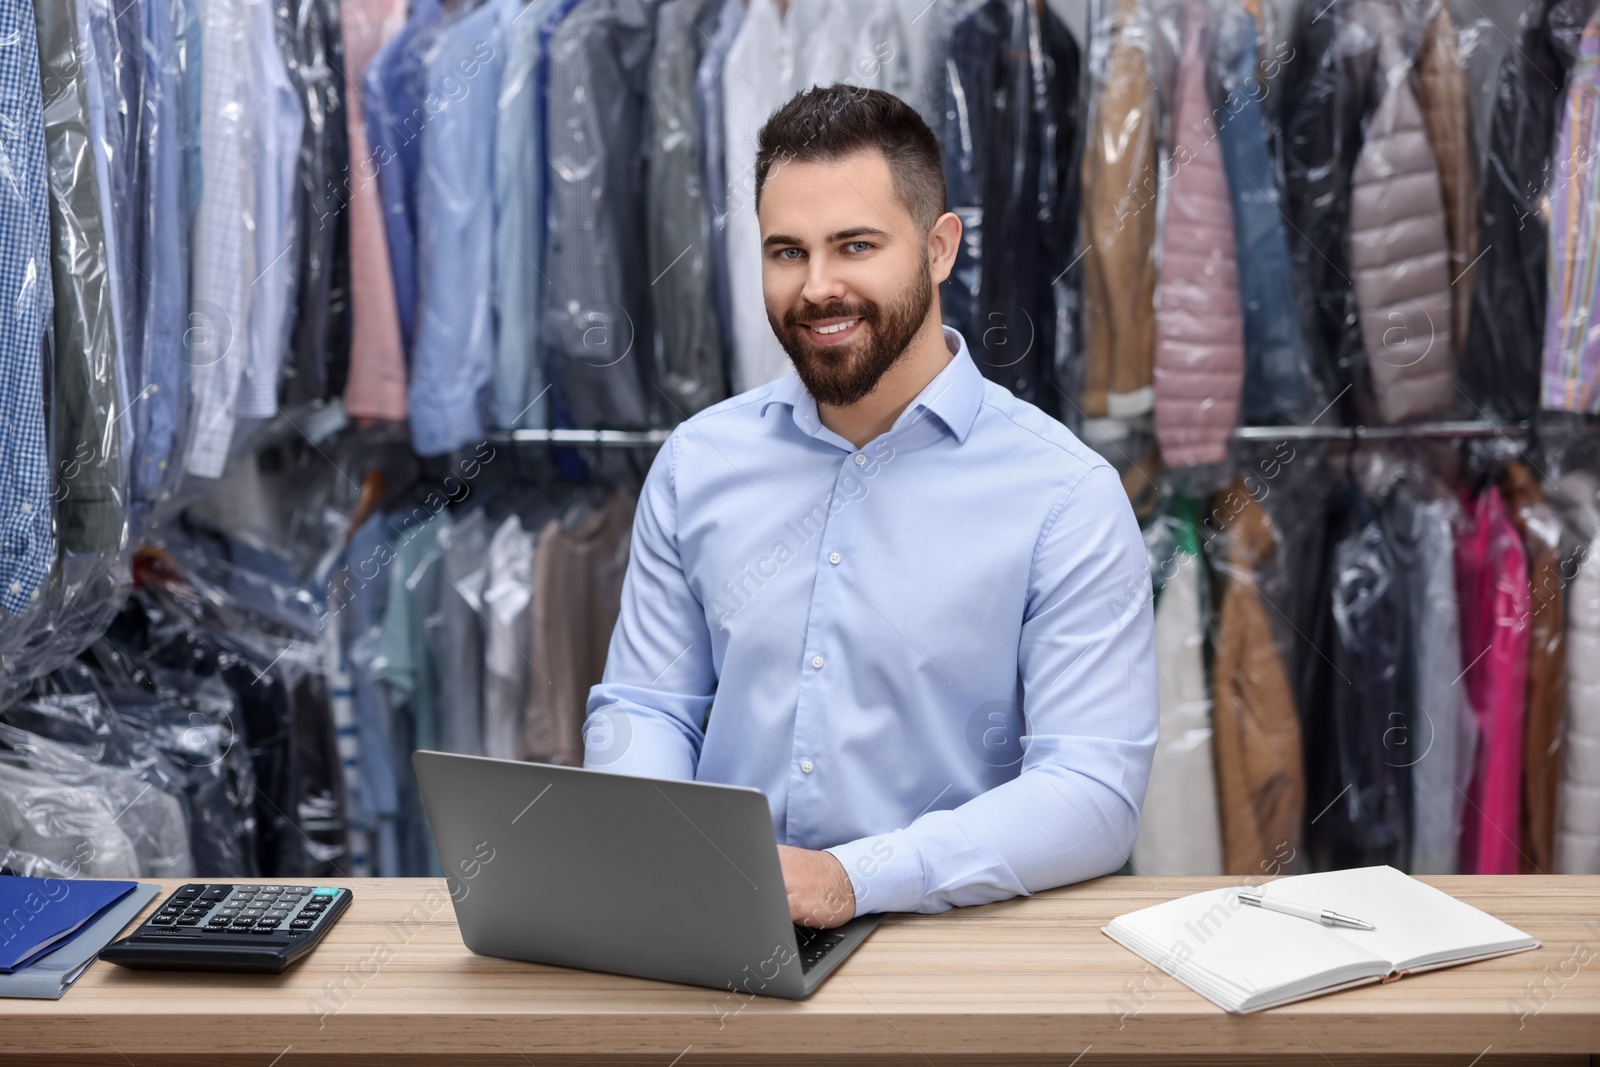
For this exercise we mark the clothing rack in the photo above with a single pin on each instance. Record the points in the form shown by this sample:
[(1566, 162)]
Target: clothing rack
[(1466, 428), (1382, 433), (585, 437)]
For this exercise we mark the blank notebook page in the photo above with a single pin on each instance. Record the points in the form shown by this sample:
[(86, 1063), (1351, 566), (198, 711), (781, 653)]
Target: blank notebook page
[(1253, 950), (1416, 923)]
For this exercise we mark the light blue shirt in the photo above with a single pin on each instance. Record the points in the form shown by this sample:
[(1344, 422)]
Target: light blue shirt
[(453, 361), (934, 654)]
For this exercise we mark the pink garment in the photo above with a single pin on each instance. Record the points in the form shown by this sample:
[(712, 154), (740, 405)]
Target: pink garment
[(376, 388), (1199, 322), (1492, 577)]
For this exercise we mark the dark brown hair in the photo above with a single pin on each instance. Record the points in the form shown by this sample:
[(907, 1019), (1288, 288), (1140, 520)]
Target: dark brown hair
[(826, 123)]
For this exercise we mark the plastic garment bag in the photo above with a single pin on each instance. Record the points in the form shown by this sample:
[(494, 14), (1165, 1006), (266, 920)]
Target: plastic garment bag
[(60, 591), (1199, 319), (376, 387), (597, 317), (1358, 771), (152, 819), (1325, 100), (1442, 734), (1577, 495), (1572, 317), (159, 312), (1501, 366), (690, 337), (1010, 139), (517, 397), (1180, 830), (27, 540), (1492, 576), (1399, 246), (319, 339), (1442, 93), (453, 353), (1540, 530), (1119, 217), (1278, 385), (48, 829), (1261, 783)]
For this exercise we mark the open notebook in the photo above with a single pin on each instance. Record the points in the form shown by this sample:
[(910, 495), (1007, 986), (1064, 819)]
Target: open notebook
[(1244, 959)]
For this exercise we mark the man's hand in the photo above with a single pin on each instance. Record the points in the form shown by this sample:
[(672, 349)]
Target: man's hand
[(820, 894)]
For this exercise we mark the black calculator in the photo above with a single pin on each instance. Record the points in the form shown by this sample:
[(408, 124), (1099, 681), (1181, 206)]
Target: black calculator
[(252, 928)]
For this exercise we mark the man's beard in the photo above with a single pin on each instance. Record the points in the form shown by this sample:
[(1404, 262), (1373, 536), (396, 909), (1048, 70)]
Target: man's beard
[(844, 374)]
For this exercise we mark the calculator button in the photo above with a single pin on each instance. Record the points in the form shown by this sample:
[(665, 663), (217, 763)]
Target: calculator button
[(242, 922), (189, 920), (163, 920), (266, 923), (300, 924), (189, 891), (324, 891), (300, 890), (214, 892)]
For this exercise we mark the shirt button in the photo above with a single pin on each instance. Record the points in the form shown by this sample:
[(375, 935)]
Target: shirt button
[(154, 389), (834, 557), (816, 661), (807, 766), (16, 587), (27, 508), (860, 460)]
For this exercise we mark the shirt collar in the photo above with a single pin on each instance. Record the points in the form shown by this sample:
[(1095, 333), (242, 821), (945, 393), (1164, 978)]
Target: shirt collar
[(955, 394)]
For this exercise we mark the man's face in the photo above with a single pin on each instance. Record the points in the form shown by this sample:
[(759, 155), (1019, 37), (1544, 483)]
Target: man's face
[(844, 270)]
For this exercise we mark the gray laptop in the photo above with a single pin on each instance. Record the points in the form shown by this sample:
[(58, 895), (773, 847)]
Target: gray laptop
[(651, 877)]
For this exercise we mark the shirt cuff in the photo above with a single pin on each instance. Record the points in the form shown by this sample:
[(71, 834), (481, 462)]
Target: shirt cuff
[(885, 872)]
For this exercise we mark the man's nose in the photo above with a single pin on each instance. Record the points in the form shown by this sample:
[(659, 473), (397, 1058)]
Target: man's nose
[(823, 284)]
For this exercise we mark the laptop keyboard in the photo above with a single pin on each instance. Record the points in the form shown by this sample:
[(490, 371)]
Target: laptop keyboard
[(814, 944)]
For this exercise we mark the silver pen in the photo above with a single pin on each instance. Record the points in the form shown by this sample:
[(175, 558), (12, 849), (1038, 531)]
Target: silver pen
[(1320, 915)]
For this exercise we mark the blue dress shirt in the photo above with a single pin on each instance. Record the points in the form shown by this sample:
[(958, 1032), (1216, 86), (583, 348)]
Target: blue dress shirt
[(27, 541), (933, 654), (160, 387), (453, 359)]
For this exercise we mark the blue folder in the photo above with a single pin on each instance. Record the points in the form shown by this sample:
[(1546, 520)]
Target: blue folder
[(39, 915)]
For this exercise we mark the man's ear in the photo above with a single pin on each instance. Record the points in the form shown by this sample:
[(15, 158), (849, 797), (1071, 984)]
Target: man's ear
[(943, 241)]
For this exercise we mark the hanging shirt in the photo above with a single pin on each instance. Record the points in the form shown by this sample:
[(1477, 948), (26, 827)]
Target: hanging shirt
[(519, 399), (164, 262), (27, 544), (223, 259), (88, 476), (952, 741), (377, 385), (275, 155), (396, 116), (688, 360), (100, 62), (453, 357), (713, 162), (596, 317)]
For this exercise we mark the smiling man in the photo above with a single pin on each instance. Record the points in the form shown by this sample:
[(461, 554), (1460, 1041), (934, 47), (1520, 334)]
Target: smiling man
[(911, 609)]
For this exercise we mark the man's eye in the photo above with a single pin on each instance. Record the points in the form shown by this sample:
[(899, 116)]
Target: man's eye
[(783, 253), (859, 246)]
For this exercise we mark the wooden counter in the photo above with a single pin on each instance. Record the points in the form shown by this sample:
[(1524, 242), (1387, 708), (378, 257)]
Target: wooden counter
[(1022, 981)]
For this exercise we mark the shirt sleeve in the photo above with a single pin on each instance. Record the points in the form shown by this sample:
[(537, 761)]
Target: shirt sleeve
[(648, 714), (1086, 662)]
